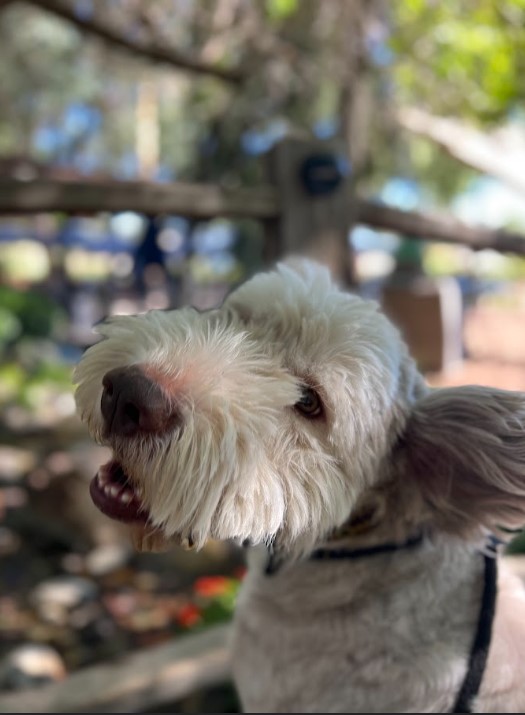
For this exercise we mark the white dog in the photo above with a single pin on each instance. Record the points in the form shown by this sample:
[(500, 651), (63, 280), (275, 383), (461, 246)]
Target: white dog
[(293, 418)]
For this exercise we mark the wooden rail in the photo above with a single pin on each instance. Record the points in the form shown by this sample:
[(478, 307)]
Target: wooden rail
[(144, 680), (201, 201), (438, 228), (206, 201)]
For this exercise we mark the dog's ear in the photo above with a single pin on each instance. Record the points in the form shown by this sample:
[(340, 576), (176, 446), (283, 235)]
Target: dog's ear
[(465, 447)]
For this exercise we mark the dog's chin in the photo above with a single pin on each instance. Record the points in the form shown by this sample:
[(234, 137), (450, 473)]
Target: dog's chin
[(113, 493)]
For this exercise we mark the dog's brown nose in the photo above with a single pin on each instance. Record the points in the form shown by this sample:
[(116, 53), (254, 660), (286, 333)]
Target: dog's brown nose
[(132, 404)]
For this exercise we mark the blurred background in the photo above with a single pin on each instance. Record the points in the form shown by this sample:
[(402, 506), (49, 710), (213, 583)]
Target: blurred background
[(158, 152)]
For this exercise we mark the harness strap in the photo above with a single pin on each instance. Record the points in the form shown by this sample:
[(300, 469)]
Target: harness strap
[(480, 647)]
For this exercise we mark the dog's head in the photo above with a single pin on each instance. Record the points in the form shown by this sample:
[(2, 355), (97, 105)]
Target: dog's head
[(279, 414)]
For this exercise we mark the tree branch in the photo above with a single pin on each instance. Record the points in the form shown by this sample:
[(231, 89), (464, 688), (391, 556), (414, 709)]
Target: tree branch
[(149, 50), (501, 154)]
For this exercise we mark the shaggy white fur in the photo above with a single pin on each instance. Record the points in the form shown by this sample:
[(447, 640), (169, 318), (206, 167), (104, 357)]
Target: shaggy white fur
[(303, 421)]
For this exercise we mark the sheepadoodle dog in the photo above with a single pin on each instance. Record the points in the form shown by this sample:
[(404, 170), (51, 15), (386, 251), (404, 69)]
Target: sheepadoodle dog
[(293, 420)]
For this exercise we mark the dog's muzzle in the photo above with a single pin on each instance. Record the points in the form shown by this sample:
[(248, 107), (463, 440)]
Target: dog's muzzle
[(132, 406)]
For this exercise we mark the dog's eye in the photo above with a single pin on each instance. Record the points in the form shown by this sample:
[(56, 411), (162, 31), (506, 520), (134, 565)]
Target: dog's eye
[(309, 404)]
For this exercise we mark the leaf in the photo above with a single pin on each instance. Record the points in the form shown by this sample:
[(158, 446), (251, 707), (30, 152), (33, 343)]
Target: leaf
[(278, 10)]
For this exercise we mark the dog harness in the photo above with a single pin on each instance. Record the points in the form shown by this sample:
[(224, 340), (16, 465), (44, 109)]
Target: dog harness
[(480, 646)]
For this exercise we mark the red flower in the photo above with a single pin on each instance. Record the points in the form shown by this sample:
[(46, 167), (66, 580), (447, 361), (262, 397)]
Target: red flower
[(212, 586), (189, 615)]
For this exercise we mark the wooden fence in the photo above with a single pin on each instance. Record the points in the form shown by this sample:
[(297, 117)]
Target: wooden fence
[(311, 218), (207, 201)]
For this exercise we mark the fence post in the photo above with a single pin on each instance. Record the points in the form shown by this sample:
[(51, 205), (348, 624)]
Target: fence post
[(317, 206)]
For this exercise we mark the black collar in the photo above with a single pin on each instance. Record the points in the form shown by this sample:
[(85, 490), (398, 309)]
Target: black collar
[(337, 553)]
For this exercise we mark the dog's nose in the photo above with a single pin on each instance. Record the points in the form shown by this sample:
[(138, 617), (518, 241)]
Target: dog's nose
[(133, 404)]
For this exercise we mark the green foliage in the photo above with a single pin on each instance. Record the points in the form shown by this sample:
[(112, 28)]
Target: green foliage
[(10, 327), (517, 545), (281, 9), (463, 57), (12, 378), (31, 386), (459, 58), (31, 372), (27, 313)]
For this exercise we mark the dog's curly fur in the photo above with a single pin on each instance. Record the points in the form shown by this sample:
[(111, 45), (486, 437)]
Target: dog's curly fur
[(383, 459)]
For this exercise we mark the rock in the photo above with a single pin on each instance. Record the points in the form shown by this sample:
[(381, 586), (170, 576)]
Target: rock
[(29, 666), (55, 598), (107, 558), (15, 462)]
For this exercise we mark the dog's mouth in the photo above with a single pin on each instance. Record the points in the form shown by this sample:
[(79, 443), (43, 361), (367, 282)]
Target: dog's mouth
[(113, 493)]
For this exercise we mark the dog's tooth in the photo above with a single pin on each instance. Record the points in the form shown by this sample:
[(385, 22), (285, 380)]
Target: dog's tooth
[(114, 491), (102, 478), (107, 489), (125, 497)]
